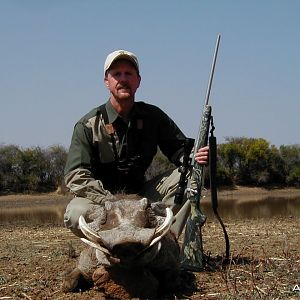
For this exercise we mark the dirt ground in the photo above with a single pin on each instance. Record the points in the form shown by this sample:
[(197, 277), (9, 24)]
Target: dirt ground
[(264, 264)]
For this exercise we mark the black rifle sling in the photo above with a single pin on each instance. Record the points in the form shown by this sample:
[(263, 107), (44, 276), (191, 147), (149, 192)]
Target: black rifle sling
[(213, 183)]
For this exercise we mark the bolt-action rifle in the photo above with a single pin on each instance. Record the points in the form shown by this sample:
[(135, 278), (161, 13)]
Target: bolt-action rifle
[(192, 257)]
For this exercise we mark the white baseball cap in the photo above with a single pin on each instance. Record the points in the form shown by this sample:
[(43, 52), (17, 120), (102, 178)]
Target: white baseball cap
[(120, 54)]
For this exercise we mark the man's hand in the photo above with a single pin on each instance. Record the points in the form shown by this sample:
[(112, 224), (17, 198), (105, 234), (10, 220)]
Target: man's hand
[(201, 156)]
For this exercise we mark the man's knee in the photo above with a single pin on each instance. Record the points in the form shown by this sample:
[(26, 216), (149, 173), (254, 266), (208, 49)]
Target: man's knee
[(77, 207)]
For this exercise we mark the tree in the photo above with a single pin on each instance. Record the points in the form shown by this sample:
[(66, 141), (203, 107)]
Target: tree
[(252, 161), (31, 169), (8, 168), (230, 157), (291, 157), (33, 174), (56, 157), (276, 167)]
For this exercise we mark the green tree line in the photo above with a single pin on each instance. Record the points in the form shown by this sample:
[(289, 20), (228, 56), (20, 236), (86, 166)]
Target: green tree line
[(241, 161), (254, 162), (32, 169)]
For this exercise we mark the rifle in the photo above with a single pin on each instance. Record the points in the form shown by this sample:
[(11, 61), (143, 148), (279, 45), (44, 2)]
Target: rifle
[(192, 257)]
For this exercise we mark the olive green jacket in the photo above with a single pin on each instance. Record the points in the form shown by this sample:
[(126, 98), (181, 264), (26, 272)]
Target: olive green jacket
[(89, 169)]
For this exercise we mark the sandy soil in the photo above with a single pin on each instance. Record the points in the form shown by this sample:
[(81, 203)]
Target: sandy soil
[(265, 260)]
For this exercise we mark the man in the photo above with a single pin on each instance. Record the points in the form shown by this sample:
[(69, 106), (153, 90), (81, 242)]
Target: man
[(114, 144)]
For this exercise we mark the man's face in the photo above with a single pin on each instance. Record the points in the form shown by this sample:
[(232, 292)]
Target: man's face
[(122, 80)]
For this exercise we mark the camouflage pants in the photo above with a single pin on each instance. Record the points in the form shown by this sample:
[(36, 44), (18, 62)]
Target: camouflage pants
[(160, 188)]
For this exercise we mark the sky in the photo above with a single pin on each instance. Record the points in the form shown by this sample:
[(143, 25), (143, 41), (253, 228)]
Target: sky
[(52, 55)]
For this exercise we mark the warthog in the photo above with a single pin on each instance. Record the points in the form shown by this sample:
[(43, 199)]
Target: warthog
[(131, 251)]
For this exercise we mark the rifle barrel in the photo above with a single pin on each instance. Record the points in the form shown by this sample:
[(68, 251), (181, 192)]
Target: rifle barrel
[(212, 70)]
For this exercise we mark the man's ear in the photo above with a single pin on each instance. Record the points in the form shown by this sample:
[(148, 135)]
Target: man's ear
[(140, 79), (105, 81)]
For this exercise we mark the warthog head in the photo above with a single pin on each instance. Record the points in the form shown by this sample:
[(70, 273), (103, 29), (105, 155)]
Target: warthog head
[(129, 242), (127, 231)]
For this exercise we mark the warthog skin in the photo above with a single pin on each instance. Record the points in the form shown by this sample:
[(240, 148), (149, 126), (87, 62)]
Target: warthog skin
[(126, 264)]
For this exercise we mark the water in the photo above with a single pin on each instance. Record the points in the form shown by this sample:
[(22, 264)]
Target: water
[(33, 211), (257, 208), (229, 208)]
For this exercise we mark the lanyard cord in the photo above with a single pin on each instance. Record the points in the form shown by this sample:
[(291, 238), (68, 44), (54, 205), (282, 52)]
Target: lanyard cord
[(113, 141), (111, 131), (123, 143)]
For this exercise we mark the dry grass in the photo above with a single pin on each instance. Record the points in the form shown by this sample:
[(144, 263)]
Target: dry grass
[(265, 260)]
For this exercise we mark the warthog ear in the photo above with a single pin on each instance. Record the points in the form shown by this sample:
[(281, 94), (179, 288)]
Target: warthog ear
[(145, 200)]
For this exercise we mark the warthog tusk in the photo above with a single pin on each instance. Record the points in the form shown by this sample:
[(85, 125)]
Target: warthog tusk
[(165, 227), (96, 246), (167, 221)]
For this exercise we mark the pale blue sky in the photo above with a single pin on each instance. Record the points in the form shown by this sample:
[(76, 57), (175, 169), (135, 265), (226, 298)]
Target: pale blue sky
[(52, 55)]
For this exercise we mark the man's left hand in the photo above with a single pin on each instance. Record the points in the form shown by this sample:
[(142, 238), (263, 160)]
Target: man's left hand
[(201, 156)]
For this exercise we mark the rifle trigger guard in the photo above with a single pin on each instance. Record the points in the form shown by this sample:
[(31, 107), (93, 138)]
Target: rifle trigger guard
[(193, 192)]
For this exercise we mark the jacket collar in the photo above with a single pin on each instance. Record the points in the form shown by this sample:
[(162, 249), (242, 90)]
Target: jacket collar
[(137, 110)]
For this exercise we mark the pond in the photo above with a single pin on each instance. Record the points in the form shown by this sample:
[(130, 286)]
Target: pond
[(31, 211), (256, 208), (51, 212)]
